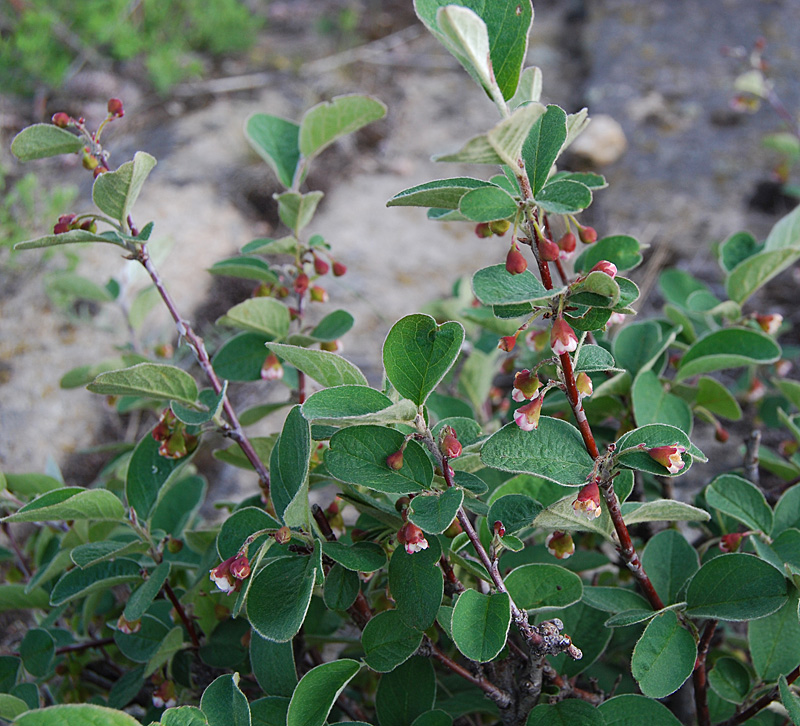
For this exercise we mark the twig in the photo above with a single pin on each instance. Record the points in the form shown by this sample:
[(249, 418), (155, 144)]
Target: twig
[(699, 676), (170, 593), (17, 551), (761, 703), (751, 457)]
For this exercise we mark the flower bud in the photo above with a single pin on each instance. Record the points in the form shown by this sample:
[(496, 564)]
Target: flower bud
[(89, 161), (115, 108), (588, 501), (395, 461), (669, 457), (770, 324), (516, 263), (549, 250), (412, 538), (499, 529), (526, 386), (756, 392), (584, 384), (721, 435), (89, 225), (100, 169), (605, 266), (401, 505), (449, 444), (527, 416), (164, 350), (61, 119), (562, 337), (483, 230), (567, 245), (499, 227), (301, 283), (240, 567), (332, 346), (164, 696), (283, 535), (588, 235), (319, 294), (454, 529), (560, 545), (507, 343), (339, 269), (174, 545), (730, 542), (128, 626), (320, 266)]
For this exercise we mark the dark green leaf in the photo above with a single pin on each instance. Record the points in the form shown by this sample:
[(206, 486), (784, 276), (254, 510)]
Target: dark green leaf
[(212, 402), (42, 140), (480, 624), (344, 402), (496, 286), (669, 561), (270, 711), (333, 326), (241, 358), (341, 588), (433, 513), (95, 578), (152, 380), (273, 665), (563, 196), (515, 511), (147, 474), (487, 204), (417, 585), (729, 679), (756, 271), (71, 503), (594, 359), (635, 710), (585, 626), (737, 248), (144, 595), (543, 586), (239, 526), (441, 194), (790, 701), (729, 348), (775, 642), (738, 498), (622, 250), (614, 599), (652, 403), (388, 641), (224, 704), (787, 511), (543, 145), (37, 651), (664, 657), (713, 396), (652, 436), (246, 268), (276, 140), (143, 644), (359, 557), (326, 368), (406, 693), (292, 455), (317, 691), (571, 712)]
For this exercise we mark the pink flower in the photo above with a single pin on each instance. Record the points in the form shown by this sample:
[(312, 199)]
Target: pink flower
[(240, 567), (562, 337), (129, 626), (588, 235), (527, 416), (730, 542), (669, 457), (222, 576), (507, 343), (526, 386), (516, 263), (770, 324), (549, 250), (567, 246), (588, 501), (412, 538), (164, 696), (449, 443), (560, 545), (272, 370), (584, 384), (499, 529), (609, 268)]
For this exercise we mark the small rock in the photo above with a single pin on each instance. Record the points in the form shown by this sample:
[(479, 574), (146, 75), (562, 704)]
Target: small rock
[(602, 143)]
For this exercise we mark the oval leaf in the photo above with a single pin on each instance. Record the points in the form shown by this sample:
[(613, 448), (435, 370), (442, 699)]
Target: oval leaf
[(417, 584), (487, 204), (318, 690), (388, 641), (434, 513), (74, 714), (275, 139), (224, 704), (330, 120), (115, 192), (730, 348), (327, 369), (151, 380), (480, 624), (738, 498), (102, 576), (71, 503), (263, 315), (538, 586), (664, 657), (42, 140)]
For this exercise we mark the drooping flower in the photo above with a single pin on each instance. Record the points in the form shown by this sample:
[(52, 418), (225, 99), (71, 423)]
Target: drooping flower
[(449, 444), (609, 268), (128, 626), (560, 545), (272, 370), (730, 542), (115, 108), (240, 567), (588, 235), (499, 529), (562, 337), (320, 266), (549, 250), (164, 696), (516, 263), (395, 461), (669, 457), (222, 576), (507, 343), (526, 386), (339, 269), (567, 246), (584, 384), (412, 538), (527, 416), (588, 501), (770, 324)]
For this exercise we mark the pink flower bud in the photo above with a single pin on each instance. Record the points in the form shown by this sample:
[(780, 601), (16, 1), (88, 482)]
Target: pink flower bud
[(61, 119), (115, 108), (338, 269), (320, 266), (770, 324), (721, 435), (526, 386), (222, 576), (588, 235), (283, 535), (499, 529), (560, 545), (567, 245), (395, 461), (164, 696), (412, 538), (319, 294), (507, 343), (128, 626), (272, 370), (527, 416), (584, 384), (89, 225), (588, 501), (516, 263), (605, 266), (562, 337), (99, 169), (483, 230), (730, 542), (332, 346), (240, 567), (549, 250), (669, 457), (301, 283), (449, 444)]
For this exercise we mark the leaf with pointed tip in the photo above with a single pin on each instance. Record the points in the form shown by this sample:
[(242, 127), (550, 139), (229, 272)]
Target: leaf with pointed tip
[(328, 369), (42, 140), (71, 503), (224, 704), (318, 690), (115, 192), (434, 513), (74, 236), (296, 210), (328, 121), (670, 561), (664, 657), (729, 348), (440, 194), (152, 380), (543, 145), (529, 89), (507, 137), (102, 576), (275, 139)]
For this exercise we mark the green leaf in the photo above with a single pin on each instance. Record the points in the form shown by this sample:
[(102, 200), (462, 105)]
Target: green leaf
[(344, 402), (37, 651), (440, 194), (77, 287), (736, 587), (357, 455), (652, 403), (276, 140), (563, 196), (570, 712), (333, 326), (596, 288), (775, 642), (586, 627), (729, 348), (714, 397), (13, 596), (115, 192), (42, 140), (268, 246), (729, 679), (664, 657), (790, 701), (407, 693), (418, 353), (152, 380), (635, 710), (241, 358), (11, 706), (224, 704), (652, 436), (246, 268), (296, 210), (212, 402), (433, 513), (327, 369), (561, 515), (543, 145), (147, 474), (515, 511), (543, 586), (638, 345), (318, 690), (74, 236), (142, 645), (594, 359), (738, 498), (754, 272), (487, 204), (508, 137), (263, 315), (270, 711), (239, 526), (95, 578), (622, 250), (326, 122), (669, 561), (183, 716), (341, 588), (279, 597), (614, 599), (785, 233), (478, 150), (75, 714), (71, 503), (273, 666), (554, 451), (143, 596), (292, 455), (737, 248), (359, 557), (388, 641), (417, 585), (787, 511), (662, 510), (480, 624), (496, 286)]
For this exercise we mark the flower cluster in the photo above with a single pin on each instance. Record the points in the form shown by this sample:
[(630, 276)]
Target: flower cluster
[(176, 442), (227, 576)]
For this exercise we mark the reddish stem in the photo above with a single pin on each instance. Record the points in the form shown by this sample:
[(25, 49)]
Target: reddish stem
[(301, 387), (182, 614), (577, 406), (761, 703), (699, 678)]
